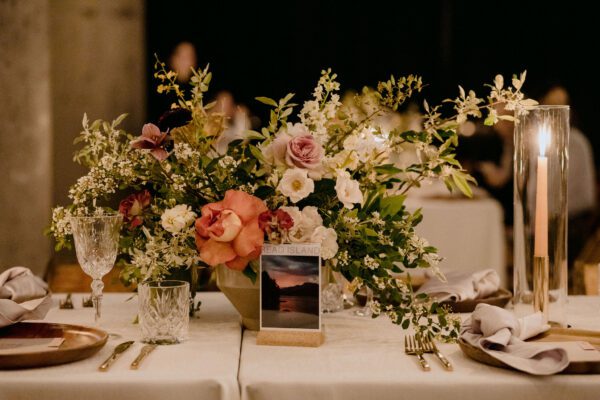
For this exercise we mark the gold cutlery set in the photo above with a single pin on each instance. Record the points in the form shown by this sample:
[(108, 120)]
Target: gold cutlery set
[(67, 304), (120, 349), (417, 346)]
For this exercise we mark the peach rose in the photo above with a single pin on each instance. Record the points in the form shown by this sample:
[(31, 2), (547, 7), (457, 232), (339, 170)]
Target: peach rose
[(228, 231)]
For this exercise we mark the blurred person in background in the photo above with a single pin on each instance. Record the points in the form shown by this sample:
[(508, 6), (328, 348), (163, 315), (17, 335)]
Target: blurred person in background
[(581, 197), (183, 60), (237, 117)]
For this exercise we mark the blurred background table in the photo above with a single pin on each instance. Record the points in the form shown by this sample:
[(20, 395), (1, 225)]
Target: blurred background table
[(364, 358), (468, 233), (204, 367)]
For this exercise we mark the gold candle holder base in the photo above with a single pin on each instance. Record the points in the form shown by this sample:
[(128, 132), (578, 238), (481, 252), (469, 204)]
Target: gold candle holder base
[(541, 273)]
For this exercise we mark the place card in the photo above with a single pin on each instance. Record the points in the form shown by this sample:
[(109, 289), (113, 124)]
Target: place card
[(586, 346), (290, 295), (28, 345)]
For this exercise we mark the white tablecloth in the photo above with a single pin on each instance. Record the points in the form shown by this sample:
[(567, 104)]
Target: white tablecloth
[(364, 359), (469, 234), (204, 367)]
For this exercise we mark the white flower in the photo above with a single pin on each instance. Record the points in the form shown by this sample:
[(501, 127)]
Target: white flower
[(305, 223), (296, 184), (293, 212), (370, 262), (311, 215), (345, 159), (328, 239), (175, 219), (348, 190), (366, 145), (300, 231)]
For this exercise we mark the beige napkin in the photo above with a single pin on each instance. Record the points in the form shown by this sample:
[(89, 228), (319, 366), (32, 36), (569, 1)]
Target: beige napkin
[(22, 296), (461, 285), (501, 335)]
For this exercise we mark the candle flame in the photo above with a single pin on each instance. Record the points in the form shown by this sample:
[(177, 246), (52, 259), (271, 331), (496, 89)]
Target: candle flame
[(543, 139)]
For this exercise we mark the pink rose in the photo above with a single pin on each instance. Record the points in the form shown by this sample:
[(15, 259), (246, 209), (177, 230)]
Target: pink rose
[(304, 152), (228, 231), (132, 207), (152, 139)]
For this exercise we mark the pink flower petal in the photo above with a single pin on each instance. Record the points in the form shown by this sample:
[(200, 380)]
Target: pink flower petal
[(250, 240), (238, 264), (150, 130), (143, 143), (246, 206), (214, 253), (136, 221), (159, 154)]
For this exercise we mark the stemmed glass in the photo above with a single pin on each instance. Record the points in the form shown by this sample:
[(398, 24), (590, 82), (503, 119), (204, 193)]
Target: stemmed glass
[(97, 244)]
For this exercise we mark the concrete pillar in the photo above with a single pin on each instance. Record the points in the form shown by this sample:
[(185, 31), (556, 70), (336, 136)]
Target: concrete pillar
[(98, 67), (59, 59), (25, 134)]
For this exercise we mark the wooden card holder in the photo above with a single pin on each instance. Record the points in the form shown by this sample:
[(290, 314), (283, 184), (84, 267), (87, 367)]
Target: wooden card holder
[(290, 338)]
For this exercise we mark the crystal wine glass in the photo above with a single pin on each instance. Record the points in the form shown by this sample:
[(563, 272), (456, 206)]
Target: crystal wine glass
[(97, 244)]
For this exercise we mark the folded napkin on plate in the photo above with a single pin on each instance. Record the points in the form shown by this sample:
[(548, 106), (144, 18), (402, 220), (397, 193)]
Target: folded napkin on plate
[(500, 334), (461, 285), (22, 296)]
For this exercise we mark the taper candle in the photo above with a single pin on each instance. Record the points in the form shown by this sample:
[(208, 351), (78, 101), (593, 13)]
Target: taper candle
[(541, 196)]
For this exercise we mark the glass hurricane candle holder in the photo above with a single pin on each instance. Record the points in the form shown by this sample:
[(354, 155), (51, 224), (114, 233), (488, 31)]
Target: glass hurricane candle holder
[(540, 213)]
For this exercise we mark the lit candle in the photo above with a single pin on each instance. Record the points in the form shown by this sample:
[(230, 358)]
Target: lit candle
[(541, 196)]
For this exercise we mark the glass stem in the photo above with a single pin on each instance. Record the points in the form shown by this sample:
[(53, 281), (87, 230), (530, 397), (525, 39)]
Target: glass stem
[(97, 286)]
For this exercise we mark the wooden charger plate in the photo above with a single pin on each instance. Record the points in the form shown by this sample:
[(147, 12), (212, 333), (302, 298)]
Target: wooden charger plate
[(581, 362), (80, 342)]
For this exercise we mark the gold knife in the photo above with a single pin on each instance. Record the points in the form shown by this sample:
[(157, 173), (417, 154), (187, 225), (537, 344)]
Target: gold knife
[(440, 356), (113, 357), (147, 349)]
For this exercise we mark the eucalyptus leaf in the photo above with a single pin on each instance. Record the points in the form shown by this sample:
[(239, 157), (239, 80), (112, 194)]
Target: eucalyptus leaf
[(461, 183), (267, 101)]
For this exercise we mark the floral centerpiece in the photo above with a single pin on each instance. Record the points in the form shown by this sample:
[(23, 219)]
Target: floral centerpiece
[(192, 193)]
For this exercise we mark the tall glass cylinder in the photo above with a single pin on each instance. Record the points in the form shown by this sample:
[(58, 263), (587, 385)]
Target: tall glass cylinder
[(540, 213)]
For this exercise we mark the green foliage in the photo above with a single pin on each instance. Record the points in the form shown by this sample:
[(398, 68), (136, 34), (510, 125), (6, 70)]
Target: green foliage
[(376, 241)]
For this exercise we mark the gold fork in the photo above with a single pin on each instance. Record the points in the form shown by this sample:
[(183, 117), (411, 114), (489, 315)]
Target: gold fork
[(414, 347), (429, 346), (67, 303)]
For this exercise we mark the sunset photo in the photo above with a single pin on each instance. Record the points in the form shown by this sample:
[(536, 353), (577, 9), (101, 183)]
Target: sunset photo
[(290, 292)]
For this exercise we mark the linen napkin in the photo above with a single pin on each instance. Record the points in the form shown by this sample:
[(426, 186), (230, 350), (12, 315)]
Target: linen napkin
[(461, 285), (500, 334), (22, 296)]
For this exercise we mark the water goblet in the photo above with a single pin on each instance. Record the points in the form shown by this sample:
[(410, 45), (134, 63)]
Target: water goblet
[(96, 244)]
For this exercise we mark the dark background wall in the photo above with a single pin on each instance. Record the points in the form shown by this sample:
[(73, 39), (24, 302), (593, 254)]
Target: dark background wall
[(272, 48)]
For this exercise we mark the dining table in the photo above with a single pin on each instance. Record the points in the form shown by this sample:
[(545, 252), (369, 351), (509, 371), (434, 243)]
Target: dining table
[(361, 358), (364, 358), (204, 367)]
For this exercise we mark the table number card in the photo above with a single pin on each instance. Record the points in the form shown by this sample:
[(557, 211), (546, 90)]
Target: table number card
[(290, 295), (20, 345)]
